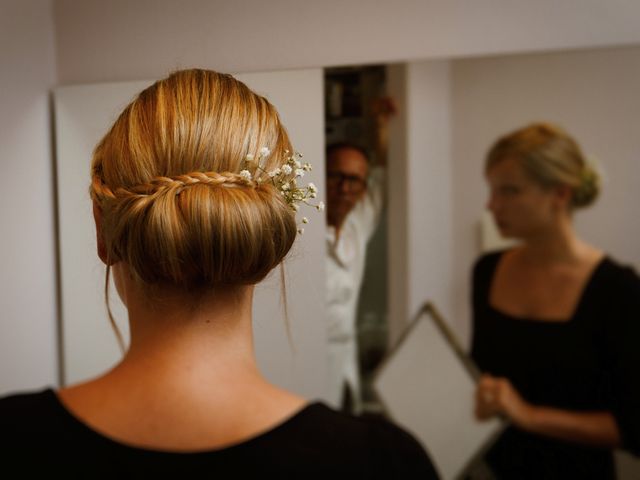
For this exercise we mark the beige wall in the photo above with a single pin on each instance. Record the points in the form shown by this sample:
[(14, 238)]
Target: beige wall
[(102, 40), (28, 353)]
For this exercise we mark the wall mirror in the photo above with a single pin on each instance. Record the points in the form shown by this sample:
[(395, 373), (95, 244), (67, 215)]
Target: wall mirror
[(450, 111)]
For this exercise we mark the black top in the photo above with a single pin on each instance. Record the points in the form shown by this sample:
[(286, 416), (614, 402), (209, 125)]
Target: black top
[(587, 363), (38, 434)]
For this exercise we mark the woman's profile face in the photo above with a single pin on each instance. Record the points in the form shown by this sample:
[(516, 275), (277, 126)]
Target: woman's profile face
[(521, 207)]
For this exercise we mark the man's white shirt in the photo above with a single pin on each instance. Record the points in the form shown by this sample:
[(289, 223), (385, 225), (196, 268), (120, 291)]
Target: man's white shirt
[(345, 267)]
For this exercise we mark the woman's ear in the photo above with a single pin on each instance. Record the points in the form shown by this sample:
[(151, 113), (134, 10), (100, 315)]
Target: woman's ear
[(102, 248)]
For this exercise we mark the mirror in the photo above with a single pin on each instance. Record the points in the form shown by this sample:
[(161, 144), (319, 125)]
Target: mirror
[(450, 111)]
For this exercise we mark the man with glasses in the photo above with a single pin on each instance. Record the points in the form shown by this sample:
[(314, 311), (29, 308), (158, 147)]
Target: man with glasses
[(354, 201)]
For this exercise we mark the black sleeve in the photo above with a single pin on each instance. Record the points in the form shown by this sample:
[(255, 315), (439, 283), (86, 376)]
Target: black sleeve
[(25, 426), (623, 350), (397, 454), (480, 277)]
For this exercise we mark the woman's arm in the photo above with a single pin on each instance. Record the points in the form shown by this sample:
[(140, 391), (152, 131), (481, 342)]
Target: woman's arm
[(496, 396), (592, 428)]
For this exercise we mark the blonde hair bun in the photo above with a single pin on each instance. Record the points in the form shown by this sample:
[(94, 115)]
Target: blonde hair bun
[(167, 180), (588, 191)]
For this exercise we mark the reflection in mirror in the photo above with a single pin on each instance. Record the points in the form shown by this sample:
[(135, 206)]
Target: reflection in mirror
[(449, 114), (356, 237), (550, 315)]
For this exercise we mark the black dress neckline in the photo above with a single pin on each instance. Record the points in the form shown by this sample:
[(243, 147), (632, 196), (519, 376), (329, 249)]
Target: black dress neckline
[(571, 320), (265, 435)]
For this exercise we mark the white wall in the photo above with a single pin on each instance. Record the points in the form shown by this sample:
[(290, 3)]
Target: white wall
[(429, 185), (102, 40), (420, 178), (594, 95), (28, 353)]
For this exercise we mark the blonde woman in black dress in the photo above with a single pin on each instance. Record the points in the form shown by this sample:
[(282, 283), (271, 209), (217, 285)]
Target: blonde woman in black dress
[(556, 321)]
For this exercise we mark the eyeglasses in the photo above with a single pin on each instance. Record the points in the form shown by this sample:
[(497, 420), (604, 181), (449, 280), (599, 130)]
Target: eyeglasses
[(352, 183)]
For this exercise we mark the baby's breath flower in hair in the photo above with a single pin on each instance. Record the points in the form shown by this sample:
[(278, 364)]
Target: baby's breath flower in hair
[(246, 175), (281, 179), (249, 157), (265, 152)]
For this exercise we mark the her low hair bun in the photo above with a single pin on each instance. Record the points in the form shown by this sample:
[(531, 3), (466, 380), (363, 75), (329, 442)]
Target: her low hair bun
[(170, 178), (200, 235), (588, 189)]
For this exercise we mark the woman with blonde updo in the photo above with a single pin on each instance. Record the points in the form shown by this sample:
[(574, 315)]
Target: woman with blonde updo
[(188, 220), (556, 321)]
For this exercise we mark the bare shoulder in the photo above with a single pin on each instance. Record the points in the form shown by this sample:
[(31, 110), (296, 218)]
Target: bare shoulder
[(276, 404), (593, 255), (93, 403), (80, 397)]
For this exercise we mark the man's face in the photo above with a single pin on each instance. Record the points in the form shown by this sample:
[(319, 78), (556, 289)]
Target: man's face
[(347, 170)]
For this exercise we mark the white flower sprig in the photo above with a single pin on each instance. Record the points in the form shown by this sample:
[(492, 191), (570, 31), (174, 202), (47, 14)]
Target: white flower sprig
[(281, 177), (246, 175), (264, 152)]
